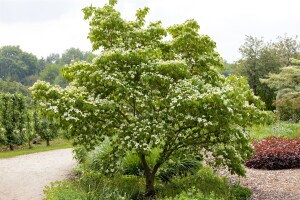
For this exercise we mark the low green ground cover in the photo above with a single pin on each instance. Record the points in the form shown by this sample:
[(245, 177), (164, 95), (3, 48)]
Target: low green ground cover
[(278, 129), (92, 185)]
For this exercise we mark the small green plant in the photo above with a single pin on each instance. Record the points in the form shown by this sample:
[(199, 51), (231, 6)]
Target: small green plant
[(80, 153), (179, 167), (64, 190), (193, 194)]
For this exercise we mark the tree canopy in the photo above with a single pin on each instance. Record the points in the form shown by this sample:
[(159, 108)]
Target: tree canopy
[(287, 86), (148, 91), (17, 65), (260, 58)]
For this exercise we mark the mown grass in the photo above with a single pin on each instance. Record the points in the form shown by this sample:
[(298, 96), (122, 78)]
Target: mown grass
[(279, 129), (55, 144)]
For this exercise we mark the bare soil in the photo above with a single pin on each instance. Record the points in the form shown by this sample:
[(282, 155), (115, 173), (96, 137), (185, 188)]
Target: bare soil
[(24, 177)]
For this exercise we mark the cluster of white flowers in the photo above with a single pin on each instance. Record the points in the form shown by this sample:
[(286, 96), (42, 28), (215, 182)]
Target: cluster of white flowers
[(53, 108)]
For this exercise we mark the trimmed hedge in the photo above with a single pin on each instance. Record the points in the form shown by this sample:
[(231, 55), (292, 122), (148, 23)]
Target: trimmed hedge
[(275, 153)]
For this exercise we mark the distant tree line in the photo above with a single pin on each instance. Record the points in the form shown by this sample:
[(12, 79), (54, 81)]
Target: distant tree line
[(261, 61), (21, 118), (19, 66)]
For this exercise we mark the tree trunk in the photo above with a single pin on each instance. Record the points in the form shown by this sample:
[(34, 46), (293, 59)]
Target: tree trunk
[(150, 190), (150, 175), (11, 147), (48, 142)]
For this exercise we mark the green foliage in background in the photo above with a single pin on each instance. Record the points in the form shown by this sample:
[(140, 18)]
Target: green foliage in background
[(287, 86), (277, 129), (260, 58), (17, 65)]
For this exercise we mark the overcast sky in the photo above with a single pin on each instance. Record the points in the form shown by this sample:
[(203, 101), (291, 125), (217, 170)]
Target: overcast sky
[(52, 26)]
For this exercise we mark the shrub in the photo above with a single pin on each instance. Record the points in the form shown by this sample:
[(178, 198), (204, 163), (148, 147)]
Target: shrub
[(204, 184), (132, 165), (289, 107), (275, 153), (178, 167), (63, 190), (207, 184), (80, 153), (2, 137), (95, 158), (194, 194), (94, 186)]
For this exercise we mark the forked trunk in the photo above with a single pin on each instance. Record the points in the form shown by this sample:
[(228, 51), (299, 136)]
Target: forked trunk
[(150, 175)]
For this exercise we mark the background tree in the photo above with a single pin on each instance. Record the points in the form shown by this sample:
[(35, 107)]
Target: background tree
[(287, 48), (17, 65), (13, 87), (72, 54), (145, 92), (53, 58), (50, 72), (29, 132), (44, 124), (287, 86), (229, 69), (260, 58), (12, 110), (54, 63)]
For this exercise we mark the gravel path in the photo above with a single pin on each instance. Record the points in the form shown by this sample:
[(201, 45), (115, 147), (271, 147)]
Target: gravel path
[(273, 184), (24, 177), (269, 184)]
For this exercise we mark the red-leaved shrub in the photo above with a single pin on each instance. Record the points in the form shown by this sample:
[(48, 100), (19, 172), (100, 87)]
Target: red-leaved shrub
[(275, 153)]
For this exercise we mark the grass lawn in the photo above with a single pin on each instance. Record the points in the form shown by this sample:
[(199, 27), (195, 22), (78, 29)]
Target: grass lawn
[(279, 129), (55, 144)]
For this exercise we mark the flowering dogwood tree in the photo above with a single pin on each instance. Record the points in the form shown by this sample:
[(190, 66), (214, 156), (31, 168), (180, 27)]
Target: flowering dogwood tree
[(147, 90)]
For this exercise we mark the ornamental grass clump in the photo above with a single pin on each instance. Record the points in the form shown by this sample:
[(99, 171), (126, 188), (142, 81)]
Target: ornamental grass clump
[(275, 153)]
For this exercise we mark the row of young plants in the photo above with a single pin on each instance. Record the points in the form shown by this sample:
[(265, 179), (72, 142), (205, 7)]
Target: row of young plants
[(22, 121), (179, 178)]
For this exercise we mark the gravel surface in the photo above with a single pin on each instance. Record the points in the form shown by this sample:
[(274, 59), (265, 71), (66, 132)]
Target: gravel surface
[(273, 184), (269, 184), (24, 177)]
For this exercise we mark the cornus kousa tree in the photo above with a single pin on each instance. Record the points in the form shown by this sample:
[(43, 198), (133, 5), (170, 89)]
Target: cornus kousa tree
[(148, 91)]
